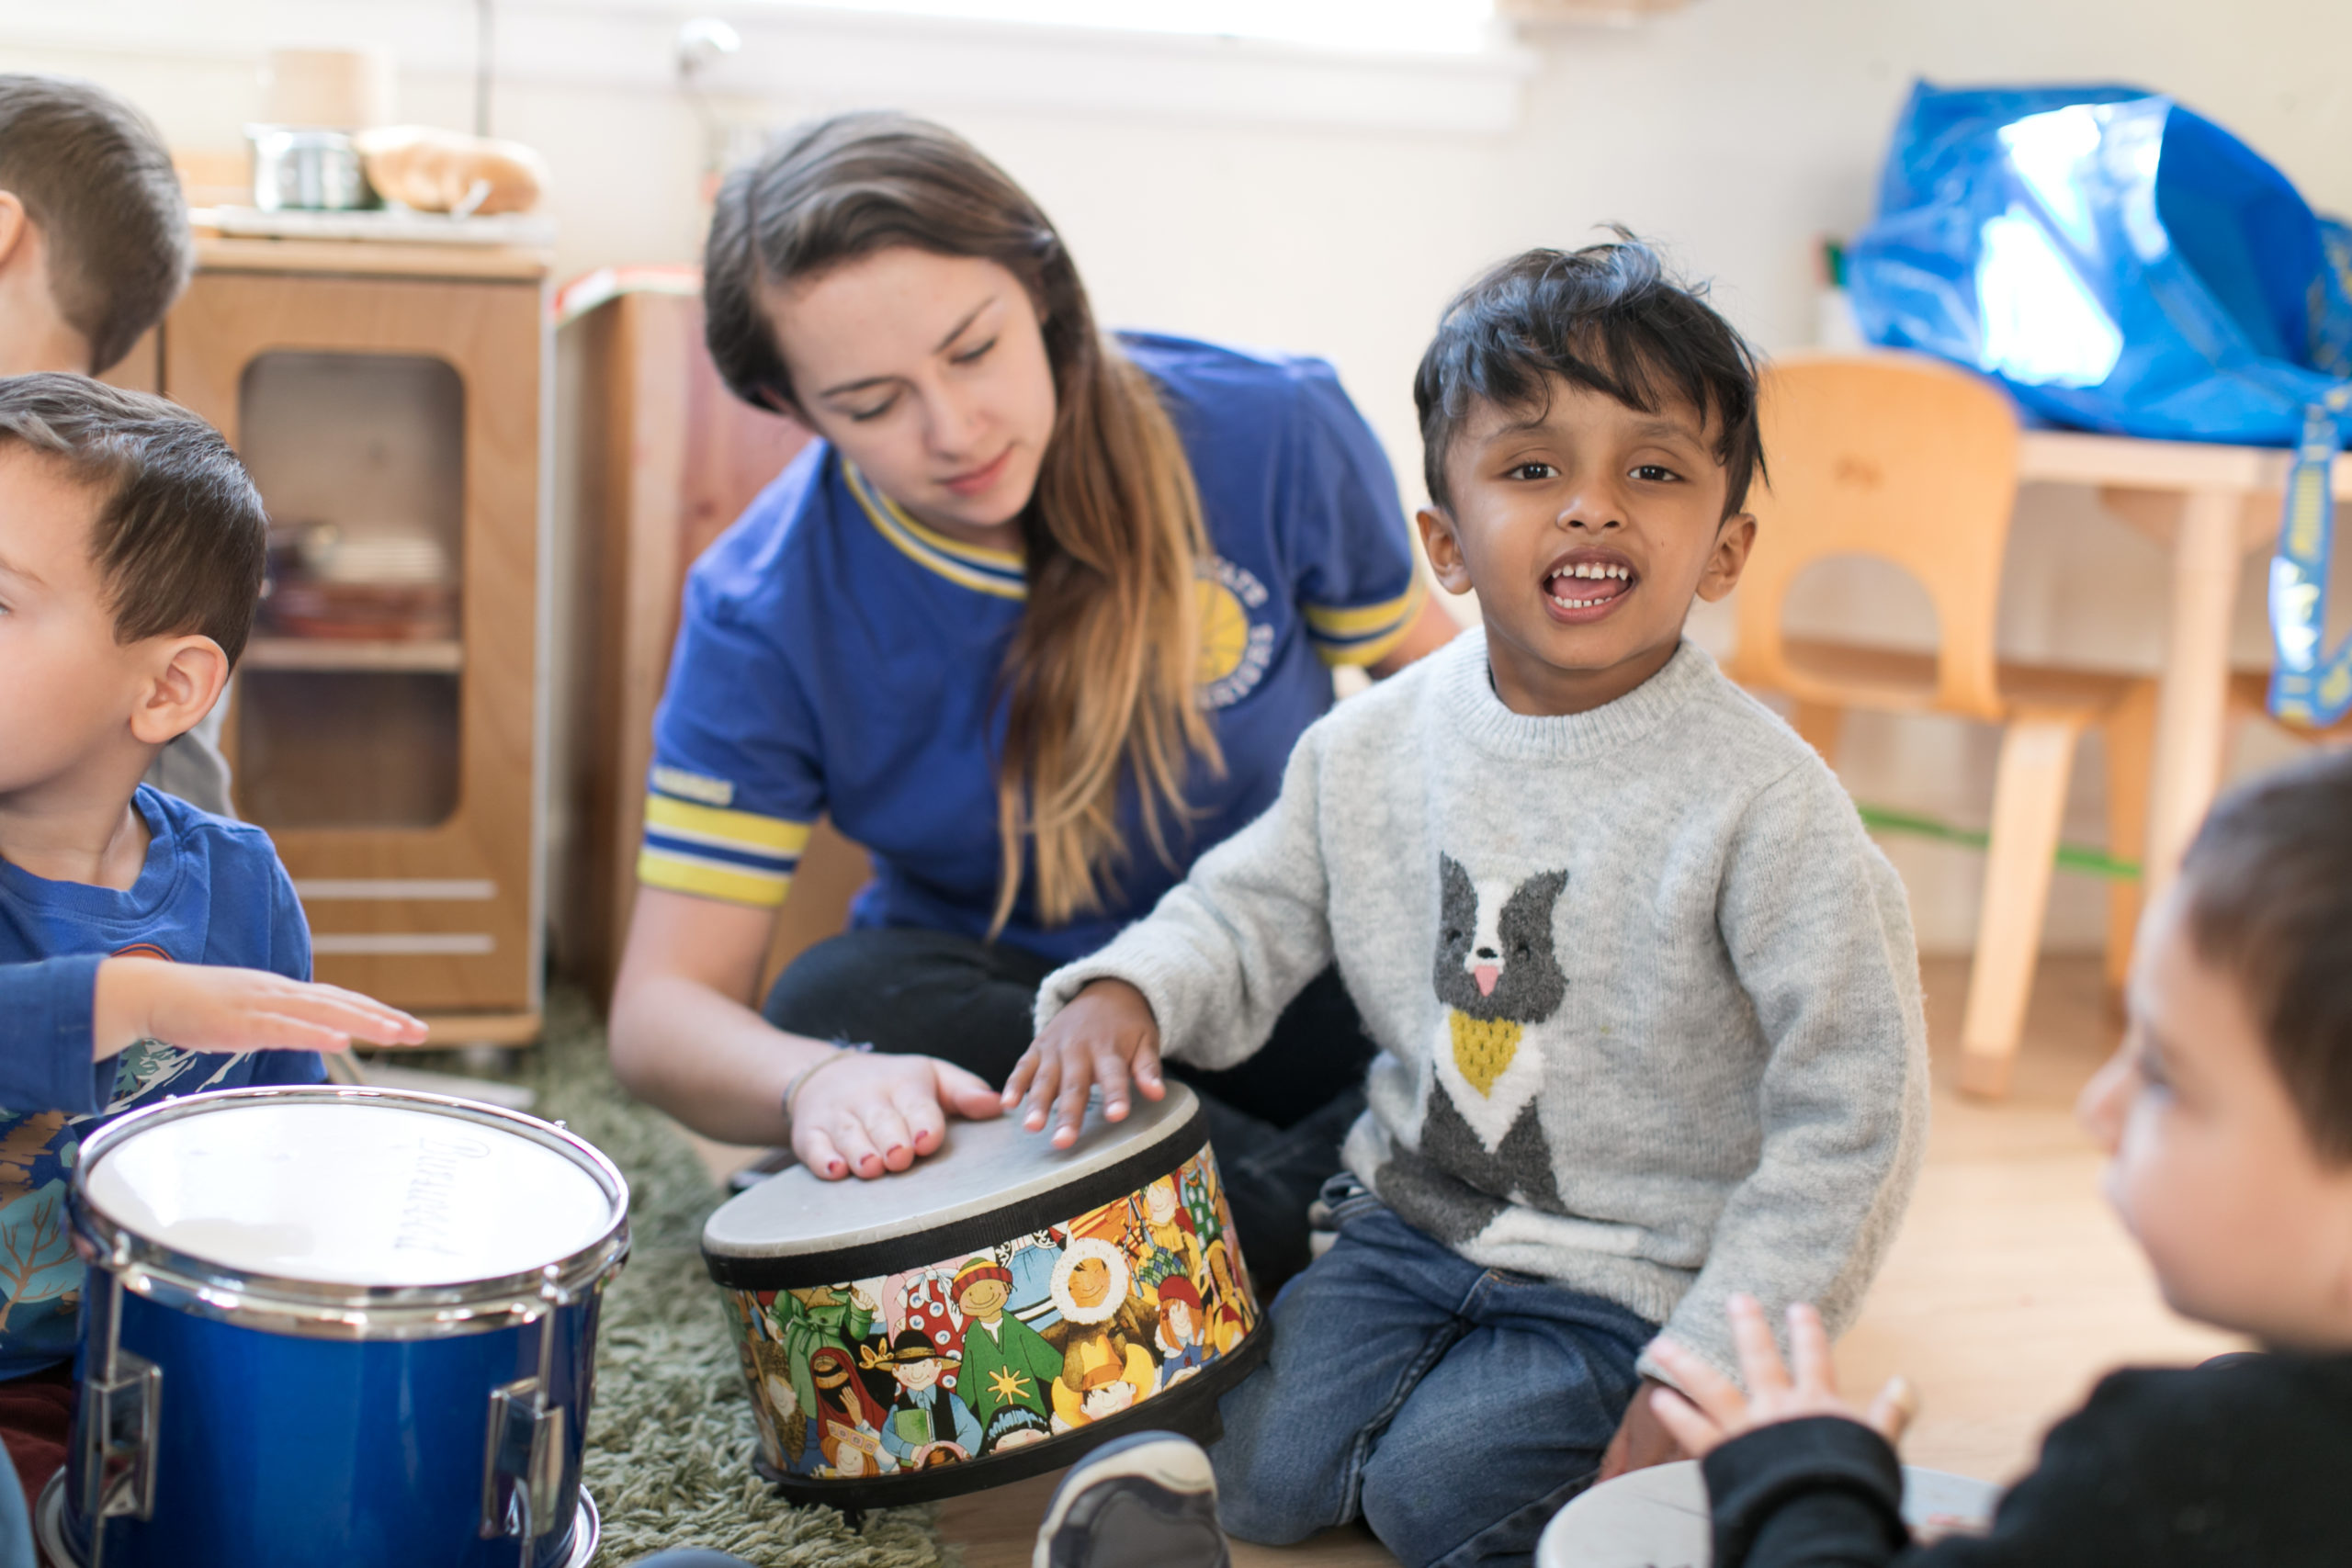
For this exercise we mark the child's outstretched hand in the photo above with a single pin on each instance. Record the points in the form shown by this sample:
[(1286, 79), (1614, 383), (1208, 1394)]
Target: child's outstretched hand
[(1105, 1036), (201, 1007), (1711, 1410)]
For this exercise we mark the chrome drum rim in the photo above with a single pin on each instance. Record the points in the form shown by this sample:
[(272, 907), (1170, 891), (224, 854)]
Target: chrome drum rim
[(319, 1309), (49, 1528)]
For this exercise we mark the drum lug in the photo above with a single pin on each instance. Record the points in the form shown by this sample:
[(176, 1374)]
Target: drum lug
[(522, 1473), (121, 1416)]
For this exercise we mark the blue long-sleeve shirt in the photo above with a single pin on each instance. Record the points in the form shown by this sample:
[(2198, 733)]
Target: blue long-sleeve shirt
[(211, 892)]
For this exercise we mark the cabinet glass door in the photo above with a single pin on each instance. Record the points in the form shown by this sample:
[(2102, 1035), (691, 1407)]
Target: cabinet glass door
[(348, 700)]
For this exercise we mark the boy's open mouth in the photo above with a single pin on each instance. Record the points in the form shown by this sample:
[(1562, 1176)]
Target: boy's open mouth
[(1583, 586)]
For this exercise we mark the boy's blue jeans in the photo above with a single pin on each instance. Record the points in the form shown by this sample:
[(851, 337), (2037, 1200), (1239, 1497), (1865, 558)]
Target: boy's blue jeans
[(1452, 1408)]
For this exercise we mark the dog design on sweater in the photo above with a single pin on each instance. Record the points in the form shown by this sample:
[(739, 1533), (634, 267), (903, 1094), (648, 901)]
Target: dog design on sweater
[(1500, 982)]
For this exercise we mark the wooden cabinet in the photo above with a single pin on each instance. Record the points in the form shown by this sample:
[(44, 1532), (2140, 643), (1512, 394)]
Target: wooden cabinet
[(386, 725)]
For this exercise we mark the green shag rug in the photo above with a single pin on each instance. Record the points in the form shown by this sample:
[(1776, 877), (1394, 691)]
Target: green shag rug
[(671, 1438)]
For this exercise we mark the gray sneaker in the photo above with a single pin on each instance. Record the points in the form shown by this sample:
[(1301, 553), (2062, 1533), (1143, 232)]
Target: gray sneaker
[(1147, 1501)]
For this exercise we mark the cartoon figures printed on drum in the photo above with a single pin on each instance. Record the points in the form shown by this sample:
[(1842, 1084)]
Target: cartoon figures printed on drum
[(1201, 1199), (1179, 1342), (926, 1424), (1105, 1367), (1007, 1365), (849, 1424), (1044, 1334), (924, 1302), (1171, 1243), (1032, 1259), (1225, 1305)]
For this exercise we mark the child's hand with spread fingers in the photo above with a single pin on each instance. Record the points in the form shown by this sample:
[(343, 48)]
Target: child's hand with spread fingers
[(202, 1007), (1711, 1410), (1107, 1035)]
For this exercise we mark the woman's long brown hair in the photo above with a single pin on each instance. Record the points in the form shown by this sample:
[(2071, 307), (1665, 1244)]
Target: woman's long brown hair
[(1099, 679)]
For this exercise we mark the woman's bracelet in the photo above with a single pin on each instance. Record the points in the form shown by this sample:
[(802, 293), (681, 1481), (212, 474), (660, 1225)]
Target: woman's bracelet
[(792, 1089)]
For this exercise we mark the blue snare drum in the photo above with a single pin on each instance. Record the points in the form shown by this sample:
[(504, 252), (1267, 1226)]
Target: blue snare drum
[(344, 1327)]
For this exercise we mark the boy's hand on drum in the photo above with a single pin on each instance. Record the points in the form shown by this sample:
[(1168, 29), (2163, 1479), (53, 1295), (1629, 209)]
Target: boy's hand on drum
[(202, 1007), (869, 1116), (1105, 1036), (1711, 1410)]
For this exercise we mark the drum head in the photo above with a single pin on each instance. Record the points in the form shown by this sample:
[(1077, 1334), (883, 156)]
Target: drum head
[(991, 1178), (361, 1191)]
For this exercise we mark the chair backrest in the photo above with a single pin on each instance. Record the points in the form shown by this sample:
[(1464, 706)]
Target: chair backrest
[(1894, 456)]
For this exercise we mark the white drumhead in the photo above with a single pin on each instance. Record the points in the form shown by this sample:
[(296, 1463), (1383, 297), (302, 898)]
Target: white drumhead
[(1659, 1519), (979, 1167), (351, 1192)]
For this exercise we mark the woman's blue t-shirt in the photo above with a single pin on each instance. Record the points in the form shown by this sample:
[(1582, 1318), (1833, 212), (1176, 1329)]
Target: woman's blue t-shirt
[(835, 656)]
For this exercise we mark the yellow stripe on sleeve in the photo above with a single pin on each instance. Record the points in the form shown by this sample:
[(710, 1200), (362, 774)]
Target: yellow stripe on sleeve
[(1387, 625), (1326, 621), (707, 879), (746, 829)]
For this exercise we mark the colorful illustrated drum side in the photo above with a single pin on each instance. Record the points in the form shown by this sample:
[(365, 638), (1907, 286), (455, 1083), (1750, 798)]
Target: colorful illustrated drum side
[(993, 1313), (345, 1326)]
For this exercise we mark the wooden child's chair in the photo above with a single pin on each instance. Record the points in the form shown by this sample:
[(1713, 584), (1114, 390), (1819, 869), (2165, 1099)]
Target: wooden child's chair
[(1914, 462)]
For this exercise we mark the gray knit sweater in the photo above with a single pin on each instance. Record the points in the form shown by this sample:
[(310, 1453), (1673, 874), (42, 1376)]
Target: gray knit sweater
[(1646, 994)]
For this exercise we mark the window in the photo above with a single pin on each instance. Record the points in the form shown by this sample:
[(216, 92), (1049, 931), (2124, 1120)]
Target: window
[(1451, 27)]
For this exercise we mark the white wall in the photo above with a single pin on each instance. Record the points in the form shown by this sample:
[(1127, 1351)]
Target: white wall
[(1736, 132)]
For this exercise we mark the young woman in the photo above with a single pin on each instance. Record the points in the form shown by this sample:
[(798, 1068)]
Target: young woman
[(1036, 622)]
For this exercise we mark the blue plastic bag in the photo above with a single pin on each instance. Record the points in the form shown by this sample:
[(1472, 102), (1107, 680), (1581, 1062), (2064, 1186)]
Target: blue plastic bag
[(2125, 265)]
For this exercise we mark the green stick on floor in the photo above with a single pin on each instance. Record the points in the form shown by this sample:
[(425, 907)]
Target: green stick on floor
[(2070, 857)]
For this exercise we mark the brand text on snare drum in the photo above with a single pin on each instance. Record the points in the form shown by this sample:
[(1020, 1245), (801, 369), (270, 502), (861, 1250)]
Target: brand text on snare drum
[(432, 1188)]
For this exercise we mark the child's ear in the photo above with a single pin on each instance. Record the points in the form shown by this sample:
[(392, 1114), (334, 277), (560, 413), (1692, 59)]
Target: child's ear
[(189, 674), (14, 226), (1734, 536), (1439, 543)]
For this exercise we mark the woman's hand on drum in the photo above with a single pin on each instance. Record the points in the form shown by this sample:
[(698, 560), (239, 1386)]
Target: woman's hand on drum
[(1107, 1035), (202, 1007), (868, 1115), (1710, 1409)]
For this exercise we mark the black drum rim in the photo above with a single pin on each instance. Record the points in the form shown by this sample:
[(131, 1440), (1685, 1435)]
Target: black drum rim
[(1189, 1408)]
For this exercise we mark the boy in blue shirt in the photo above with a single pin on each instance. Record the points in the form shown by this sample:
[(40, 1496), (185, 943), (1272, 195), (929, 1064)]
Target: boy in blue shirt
[(147, 949)]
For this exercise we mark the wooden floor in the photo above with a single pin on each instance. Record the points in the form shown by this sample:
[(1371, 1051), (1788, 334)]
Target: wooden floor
[(2008, 1292)]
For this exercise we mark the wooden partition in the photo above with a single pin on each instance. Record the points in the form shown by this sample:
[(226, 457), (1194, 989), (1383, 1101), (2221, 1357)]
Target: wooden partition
[(659, 458)]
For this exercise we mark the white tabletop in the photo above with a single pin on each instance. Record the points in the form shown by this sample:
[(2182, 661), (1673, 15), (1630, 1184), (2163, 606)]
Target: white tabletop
[(2075, 456)]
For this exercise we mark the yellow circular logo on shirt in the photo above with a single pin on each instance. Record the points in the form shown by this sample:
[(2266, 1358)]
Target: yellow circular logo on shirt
[(1224, 632), (1235, 649)]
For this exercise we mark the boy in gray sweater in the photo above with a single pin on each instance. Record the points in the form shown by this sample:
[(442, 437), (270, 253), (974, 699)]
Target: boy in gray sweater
[(1646, 994)]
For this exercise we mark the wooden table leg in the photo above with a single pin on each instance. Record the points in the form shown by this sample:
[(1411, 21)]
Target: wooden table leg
[(2194, 691)]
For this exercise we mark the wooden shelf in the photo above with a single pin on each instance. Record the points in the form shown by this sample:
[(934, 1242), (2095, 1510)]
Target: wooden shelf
[(434, 656), (377, 258)]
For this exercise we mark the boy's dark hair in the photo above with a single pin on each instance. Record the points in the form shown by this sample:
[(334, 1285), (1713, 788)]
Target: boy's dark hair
[(94, 178), (2268, 883), (1609, 317), (180, 538)]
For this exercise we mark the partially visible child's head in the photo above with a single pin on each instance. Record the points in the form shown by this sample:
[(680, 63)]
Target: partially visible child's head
[(131, 550), (2229, 1108), (1589, 435), (94, 232)]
